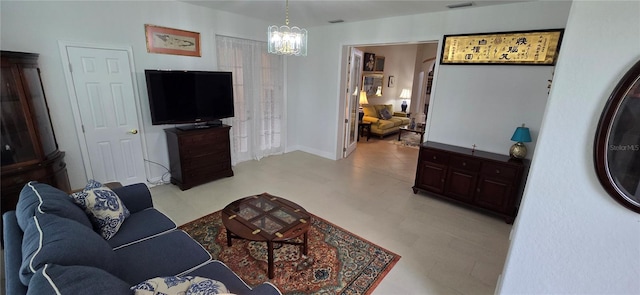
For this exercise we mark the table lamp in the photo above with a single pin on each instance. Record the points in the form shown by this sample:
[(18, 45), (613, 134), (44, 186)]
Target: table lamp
[(519, 150), (363, 100), (404, 95)]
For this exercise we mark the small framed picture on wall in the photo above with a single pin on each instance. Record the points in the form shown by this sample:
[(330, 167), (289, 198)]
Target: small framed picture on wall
[(392, 82), (369, 62), (379, 64)]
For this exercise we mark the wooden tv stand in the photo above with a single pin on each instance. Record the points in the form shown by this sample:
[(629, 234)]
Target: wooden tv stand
[(482, 180), (198, 156)]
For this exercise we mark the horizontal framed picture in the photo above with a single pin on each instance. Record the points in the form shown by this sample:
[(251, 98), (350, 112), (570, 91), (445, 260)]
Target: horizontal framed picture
[(516, 48), (172, 41)]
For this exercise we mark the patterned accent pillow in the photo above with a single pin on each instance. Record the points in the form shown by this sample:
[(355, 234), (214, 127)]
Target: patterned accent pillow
[(385, 114), (105, 209), (187, 285)]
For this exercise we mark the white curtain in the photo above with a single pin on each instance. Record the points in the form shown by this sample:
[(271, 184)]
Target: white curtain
[(258, 81)]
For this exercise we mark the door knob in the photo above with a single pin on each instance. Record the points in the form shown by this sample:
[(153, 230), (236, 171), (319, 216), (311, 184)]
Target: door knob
[(133, 131)]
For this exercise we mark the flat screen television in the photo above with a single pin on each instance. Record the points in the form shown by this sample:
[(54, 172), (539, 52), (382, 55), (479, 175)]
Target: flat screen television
[(180, 97)]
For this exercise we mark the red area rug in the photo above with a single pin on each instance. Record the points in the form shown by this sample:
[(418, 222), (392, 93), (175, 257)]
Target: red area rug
[(339, 262)]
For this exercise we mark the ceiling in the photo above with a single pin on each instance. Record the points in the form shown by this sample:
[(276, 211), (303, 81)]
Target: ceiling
[(311, 13)]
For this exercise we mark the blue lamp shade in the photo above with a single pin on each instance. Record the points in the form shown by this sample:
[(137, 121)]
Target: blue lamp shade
[(521, 135)]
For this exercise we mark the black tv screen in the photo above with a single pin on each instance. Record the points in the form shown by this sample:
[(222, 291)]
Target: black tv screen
[(177, 97)]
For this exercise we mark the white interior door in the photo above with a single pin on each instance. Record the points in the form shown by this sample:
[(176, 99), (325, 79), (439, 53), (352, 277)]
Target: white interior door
[(103, 87), (352, 104)]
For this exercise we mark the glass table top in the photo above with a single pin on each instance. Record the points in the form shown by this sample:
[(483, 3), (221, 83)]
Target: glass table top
[(266, 213)]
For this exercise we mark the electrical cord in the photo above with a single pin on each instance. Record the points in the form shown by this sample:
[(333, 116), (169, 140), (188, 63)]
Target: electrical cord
[(162, 178)]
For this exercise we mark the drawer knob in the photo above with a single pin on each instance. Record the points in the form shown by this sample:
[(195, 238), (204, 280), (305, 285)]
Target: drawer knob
[(464, 163), (478, 189), (434, 157), (442, 180), (497, 171)]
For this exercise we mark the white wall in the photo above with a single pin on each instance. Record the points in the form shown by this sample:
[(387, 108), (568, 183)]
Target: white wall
[(38, 26), (321, 102), (570, 237), (483, 105)]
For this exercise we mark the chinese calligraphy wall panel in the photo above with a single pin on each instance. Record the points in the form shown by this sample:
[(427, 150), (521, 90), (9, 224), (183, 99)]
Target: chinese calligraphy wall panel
[(519, 48)]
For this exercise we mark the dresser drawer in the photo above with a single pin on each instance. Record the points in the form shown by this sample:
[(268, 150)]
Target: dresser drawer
[(205, 172), (463, 163), (205, 138), (497, 170), (435, 157), (205, 161), (204, 150)]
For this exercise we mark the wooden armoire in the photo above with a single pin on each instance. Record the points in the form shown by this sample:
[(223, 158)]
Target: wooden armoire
[(29, 150)]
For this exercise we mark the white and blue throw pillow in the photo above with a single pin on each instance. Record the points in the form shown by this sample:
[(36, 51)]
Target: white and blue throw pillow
[(106, 211), (188, 285)]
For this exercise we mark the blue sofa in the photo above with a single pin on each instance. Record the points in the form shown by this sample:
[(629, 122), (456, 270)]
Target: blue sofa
[(50, 246)]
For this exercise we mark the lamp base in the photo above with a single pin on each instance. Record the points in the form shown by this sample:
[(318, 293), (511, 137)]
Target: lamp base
[(518, 151), (360, 115)]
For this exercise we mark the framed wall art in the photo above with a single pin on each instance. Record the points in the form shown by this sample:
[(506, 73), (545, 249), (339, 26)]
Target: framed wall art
[(372, 84), (392, 82), (506, 48), (172, 41), (369, 62), (379, 67)]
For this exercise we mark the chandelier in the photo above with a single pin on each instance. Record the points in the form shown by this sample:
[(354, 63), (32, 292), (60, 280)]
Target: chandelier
[(287, 40)]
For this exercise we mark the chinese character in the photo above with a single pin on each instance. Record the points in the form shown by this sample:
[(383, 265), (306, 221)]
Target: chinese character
[(505, 56), (482, 42), (513, 49), (476, 49), (468, 56), (521, 41)]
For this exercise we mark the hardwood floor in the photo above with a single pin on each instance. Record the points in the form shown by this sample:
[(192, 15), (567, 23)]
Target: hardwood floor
[(445, 248)]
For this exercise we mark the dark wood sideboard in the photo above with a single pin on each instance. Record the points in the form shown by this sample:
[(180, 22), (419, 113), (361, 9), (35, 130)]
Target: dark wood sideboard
[(198, 156), (487, 181)]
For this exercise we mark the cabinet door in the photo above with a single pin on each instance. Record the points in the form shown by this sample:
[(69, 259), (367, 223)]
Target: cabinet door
[(462, 178), (493, 194), (431, 176), (40, 109), (461, 184), (495, 186), (17, 138)]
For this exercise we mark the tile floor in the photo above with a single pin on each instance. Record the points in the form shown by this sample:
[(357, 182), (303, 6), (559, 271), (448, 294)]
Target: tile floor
[(445, 248)]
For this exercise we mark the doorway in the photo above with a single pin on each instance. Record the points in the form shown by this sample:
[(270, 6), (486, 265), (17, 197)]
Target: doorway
[(102, 90), (404, 67)]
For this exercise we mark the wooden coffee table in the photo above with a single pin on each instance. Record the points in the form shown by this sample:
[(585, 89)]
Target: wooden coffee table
[(267, 218), (419, 129)]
